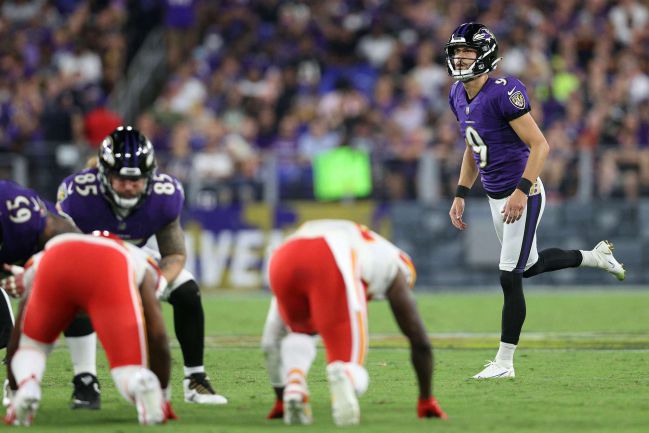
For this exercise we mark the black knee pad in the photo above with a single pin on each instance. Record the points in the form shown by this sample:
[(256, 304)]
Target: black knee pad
[(186, 295), (80, 327)]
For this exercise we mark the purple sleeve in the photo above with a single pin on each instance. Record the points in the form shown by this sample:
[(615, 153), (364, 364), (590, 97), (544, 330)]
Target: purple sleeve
[(62, 195), (167, 196), (24, 216), (512, 99)]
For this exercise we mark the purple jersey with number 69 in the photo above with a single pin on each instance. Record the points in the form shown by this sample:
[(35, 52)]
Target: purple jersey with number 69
[(499, 153), (80, 197), (23, 216)]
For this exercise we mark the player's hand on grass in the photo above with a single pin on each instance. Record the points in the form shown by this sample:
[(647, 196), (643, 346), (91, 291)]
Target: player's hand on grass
[(13, 283), (514, 207), (429, 408), (456, 212)]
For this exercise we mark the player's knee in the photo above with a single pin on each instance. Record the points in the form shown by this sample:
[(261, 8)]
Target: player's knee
[(508, 281), (186, 296), (80, 327), (535, 269)]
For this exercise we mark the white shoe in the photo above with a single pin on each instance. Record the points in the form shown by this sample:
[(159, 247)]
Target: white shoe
[(149, 401), (603, 253), (23, 407), (344, 403), (493, 370), (297, 409), (198, 389), (7, 393)]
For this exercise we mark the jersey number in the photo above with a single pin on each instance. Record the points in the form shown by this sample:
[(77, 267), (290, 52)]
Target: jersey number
[(18, 214), (163, 184), (478, 146), (81, 184)]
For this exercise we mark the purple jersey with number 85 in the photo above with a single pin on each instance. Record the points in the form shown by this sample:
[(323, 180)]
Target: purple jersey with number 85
[(80, 197)]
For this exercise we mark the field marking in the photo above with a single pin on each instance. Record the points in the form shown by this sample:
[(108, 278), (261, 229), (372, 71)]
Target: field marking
[(470, 340), (564, 341)]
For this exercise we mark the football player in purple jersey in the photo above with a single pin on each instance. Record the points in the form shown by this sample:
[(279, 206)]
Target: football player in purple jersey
[(126, 195), (26, 225), (507, 149)]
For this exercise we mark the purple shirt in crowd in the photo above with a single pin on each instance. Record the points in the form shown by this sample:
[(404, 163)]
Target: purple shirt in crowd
[(22, 219), (499, 153), (81, 197), (179, 14)]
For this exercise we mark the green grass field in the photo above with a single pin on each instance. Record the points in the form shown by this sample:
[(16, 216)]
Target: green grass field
[(582, 366)]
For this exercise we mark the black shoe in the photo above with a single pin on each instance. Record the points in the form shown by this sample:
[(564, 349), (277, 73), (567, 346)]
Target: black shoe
[(86, 394)]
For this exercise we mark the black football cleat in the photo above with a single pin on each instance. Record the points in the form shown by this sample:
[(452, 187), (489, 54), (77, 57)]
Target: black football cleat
[(87, 393)]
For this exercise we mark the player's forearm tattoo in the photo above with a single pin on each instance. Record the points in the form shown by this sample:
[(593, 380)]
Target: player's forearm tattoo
[(171, 240)]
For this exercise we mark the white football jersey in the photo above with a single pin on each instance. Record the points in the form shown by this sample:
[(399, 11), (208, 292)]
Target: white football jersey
[(373, 257), (140, 261)]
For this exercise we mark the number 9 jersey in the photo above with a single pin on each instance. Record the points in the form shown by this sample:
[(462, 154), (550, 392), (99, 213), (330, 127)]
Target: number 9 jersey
[(498, 152), (22, 220), (81, 197)]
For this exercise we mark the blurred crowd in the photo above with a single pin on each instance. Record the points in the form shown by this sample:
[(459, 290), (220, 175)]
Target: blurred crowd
[(58, 62), (253, 81)]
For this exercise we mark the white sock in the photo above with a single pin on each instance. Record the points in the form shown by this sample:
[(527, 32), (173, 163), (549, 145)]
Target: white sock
[(588, 259), (83, 351), (29, 359), (298, 353), (505, 355), (191, 370)]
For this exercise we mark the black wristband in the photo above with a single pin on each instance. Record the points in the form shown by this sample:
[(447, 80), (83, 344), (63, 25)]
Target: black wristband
[(524, 185), (462, 191)]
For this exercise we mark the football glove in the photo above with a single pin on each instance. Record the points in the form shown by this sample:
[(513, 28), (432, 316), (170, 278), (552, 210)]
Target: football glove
[(13, 284), (166, 405), (429, 408), (161, 287), (277, 412), (169, 411)]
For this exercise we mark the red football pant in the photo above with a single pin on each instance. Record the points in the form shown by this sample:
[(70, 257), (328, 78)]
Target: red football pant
[(312, 297), (95, 277)]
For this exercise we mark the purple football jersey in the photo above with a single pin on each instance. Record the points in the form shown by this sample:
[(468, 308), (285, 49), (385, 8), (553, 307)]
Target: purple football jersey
[(80, 197), (23, 216), (499, 153)]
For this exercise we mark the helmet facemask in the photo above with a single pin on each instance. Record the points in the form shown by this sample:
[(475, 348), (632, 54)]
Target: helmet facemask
[(126, 203)]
